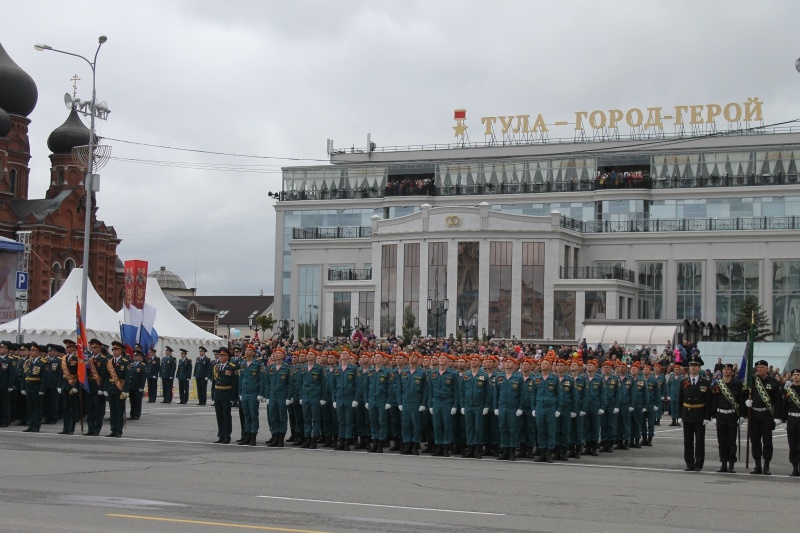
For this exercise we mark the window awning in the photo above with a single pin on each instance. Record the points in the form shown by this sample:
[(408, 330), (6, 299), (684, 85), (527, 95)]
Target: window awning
[(650, 335)]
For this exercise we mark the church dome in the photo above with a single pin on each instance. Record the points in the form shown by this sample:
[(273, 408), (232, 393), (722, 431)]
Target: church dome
[(167, 279), (18, 93), (5, 123), (70, 134)]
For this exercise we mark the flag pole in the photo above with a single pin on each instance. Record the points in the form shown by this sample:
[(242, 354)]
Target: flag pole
[(749, 385)]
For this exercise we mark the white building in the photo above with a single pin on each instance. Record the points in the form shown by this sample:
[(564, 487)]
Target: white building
[(531, 240)]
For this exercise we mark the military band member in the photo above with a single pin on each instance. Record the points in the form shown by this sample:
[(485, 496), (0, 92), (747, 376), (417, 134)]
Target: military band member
[(791, 415), (50, 381), (8, 377), (138, 376), (226, 384), (167, 374), (279, 390), (33, 372), (117, 387), (695, 401), (765, 401), (727, 401), (96, 397), (68, 386), (18, 401), (252, 391), (153, 372), (201, 372), (312, 397)]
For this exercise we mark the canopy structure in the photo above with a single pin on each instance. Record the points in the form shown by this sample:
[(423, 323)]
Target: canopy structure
[(630, 334), (55, 320), (9, 245), (175, 330), (776, 354)]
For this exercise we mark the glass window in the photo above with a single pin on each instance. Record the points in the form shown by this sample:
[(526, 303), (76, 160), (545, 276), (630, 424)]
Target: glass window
[(786, 301), (595, 305), (341, 310), (388, 289), (308, 301), (411, 282), (690, 291), (500, 257), (437, 288), (532, 290), (366, 307), (735, 281), (564, 315), (468, 283), (650, 291)]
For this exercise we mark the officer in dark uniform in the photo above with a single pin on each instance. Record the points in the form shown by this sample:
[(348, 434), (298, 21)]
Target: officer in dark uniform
[(791, 415), (18, 402), (68, 386), (117, 386), (138, 375), (210, 374), (226, 384), (695, 401), (727, 405), (167, 375), (51, 378), (184, 374), (153, 370), (201, 371), (34, 370), (8, 377), (765, 401), (96, 397)]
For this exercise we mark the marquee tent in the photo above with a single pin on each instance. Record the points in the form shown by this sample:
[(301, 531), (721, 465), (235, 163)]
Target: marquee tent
[(175, 330), (55, 320)]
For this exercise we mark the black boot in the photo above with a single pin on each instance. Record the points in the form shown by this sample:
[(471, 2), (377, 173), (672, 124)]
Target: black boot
[(281, 440), (244, 440), (542, 457), (300, 441), (529, 453), (795, 470), (273, 442), (307, 443), (396, 446), (511, 455), (593, 449), (346, 447), (446, 452), (757, 469), (577, 451), (272, 439), (723, 468), (415, 449), (648, 441), (435, 451), (362, 444), (549, 456), (313, 444), (636, 443), (618, 445), (470, 453), (291, 437), (730, 467), (374, 447), (571, 453), (477, 449), (406, 449), (766, 469), (429, 448), (503, 455), (562, 454), (520, 453), (340, 445), (380, 447), (253, 439)]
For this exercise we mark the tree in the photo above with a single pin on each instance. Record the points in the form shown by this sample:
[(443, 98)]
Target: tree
[(265, 322), (410, 328), (740, 327)]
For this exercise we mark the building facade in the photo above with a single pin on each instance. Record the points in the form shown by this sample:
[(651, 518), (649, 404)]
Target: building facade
[(531, 240)]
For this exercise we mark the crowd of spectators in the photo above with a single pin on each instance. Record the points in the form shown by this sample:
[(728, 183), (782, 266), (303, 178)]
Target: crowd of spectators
[(622, 180), (410, 187)]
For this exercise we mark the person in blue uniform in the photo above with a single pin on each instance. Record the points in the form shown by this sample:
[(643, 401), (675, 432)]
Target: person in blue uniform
[(153, 368), (577, 438), (8, 378), (547, 409), (137, 379), (345, 398), (377, 401), (279, 389), (312, 397), (475, 400), (183, 375), (443, 394), (594, 407), (566, 387), (673, 393), (625, 408), (652, 406), (33, 388), (640, 401), (412, 401), (610, 401), (252, 390), (508, 402)]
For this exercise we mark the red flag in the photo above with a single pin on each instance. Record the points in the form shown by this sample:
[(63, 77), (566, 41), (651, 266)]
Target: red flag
[(459, 114), (83, 346)]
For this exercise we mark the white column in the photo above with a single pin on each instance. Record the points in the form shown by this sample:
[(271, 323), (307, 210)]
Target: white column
[(376, 278), (326, 321), (401, 258), (580, 311), (552, 256), (612, 300)]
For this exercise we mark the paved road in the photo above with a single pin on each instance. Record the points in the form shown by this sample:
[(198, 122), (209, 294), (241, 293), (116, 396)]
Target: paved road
[(165, 476)]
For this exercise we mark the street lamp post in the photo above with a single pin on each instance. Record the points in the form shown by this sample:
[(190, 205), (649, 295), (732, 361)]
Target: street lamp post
[(87, 182), (467, 325), (441, 309)]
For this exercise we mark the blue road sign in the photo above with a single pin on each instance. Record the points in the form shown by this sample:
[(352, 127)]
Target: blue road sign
[(22, 281)]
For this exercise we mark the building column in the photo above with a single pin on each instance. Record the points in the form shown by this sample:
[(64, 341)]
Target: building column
[(422, 320), (552, 256), (483, 286), (452, 287), (580, 312), (326, 329), (399, 307), (376, 278), (516, 288), (612, 300)]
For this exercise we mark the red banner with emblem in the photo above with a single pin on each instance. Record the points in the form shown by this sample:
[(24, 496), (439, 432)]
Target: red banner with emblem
[(135, 283)]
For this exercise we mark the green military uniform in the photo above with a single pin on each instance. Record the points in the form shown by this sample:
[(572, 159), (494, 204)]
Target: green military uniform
[(226, 384)]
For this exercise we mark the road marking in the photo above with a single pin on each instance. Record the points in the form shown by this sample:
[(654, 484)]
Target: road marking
[(220, 524), (379, 505)]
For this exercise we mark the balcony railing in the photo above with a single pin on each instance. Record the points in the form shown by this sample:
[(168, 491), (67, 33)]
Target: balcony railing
[(338, 232), (574, 185), (611, 272), (352, 274), (682, 224)]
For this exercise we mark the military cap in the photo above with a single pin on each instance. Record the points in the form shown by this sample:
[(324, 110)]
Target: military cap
[(117, 344), (138, 353), (637, 364), (37, 346), (167, 349), (7, 344), (202, 349), (224, 351), (215, 351), (728, 365), (25, 346), (183, 350), (95, 342), (697, 360), (68, 342), (60, 349), (608, 362), (796, 371), (762, 362), (592, 362), (153, 350), (510, 360)]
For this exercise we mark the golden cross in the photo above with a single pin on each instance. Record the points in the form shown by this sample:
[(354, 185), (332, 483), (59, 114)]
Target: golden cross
[(75, 80)]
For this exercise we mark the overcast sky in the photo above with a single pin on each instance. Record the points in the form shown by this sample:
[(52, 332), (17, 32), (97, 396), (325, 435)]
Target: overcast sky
[(278, 79)]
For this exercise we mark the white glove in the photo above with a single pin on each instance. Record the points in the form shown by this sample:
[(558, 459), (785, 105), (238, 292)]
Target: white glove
[(124, 395), (289, 402), (301, 402), (741, 420), (334, 405), (74, 391), (519, 412), (778, 422), (400, 407), (105, 393), (41, 394), (616, 410), (323, 402), (23, 393), (644, 409), (100, 393), (141, 390), (59, 390), (463, 410), (583, 413), (705, 422), (267, 402), (662, 398), (431, 410), (354, 404), (11, 389), (261, 399), (655, 408), (421, 408), (497, 412), (668, 398), (240, 398), (533, 413), (558, 414), (388, 406), (748, 403), (630, 409), (485, 411), (453, 411), (366, 406), (573, 415), (680, 420), (601, 412)]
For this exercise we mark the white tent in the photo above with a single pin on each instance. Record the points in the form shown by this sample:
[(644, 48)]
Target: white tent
[(55, 320), (175, 330)]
